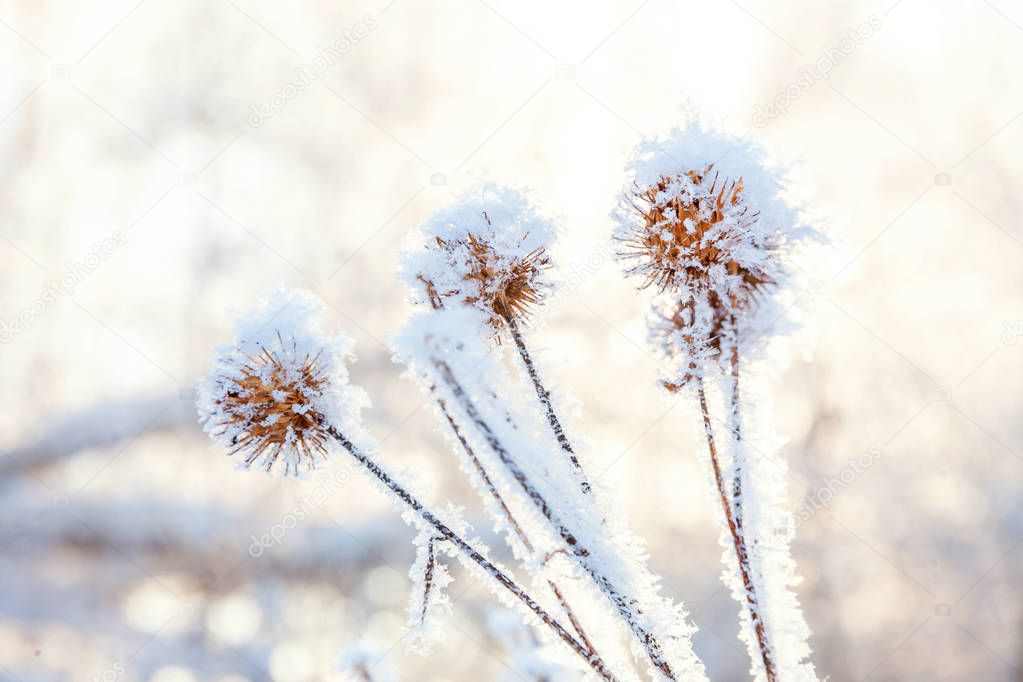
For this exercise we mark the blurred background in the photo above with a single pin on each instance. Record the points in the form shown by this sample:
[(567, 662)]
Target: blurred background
[(163, 163)]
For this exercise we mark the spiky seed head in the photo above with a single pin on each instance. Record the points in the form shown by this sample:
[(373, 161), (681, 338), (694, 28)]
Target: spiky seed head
[(505, 285), (488, 251), (270, 408), (711, 222), (275, 391), (693, 226)]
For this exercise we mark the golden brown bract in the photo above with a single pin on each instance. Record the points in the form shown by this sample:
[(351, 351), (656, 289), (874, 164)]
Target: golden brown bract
[(505, 287), (271, 408)]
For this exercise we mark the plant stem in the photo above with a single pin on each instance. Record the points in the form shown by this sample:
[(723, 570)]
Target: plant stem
[(470, 553), (512, 521), (626, 606), (431, 566), (738, 458), (545, 401), (741, 553), (437, 304)]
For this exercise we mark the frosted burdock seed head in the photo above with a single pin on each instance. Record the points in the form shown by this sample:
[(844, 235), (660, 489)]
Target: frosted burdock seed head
[(274, 392), (488, 251), (706, 212), (690, 224), (505, 284), (709, 223)]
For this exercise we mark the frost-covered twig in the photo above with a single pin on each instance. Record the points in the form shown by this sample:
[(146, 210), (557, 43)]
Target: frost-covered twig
[(491, 489), (465, 550), (280, 392), (429, 601), (706, 223), (544, 396), (469, 553), (732, 522)]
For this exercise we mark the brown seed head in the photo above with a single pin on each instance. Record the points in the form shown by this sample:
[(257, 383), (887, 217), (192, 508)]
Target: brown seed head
[(505, 287), (271, 407), (684, 231)]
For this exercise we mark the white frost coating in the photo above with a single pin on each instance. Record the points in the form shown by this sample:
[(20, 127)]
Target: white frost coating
[(444, 349), (279, 343), (429, 604), (684, 339), (768, 529), (503, 218), (490, 479)]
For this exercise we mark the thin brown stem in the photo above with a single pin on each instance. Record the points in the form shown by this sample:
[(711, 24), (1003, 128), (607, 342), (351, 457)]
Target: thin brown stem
[(741, 553), (545, 401), (738, 458), (470, 553), (488, 484), (431, 566)]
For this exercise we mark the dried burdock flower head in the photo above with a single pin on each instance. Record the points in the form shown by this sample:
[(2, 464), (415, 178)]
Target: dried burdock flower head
[(488, 251), (273, 393), (692, 227), (505, 284), (707, 222), (704, 212)]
